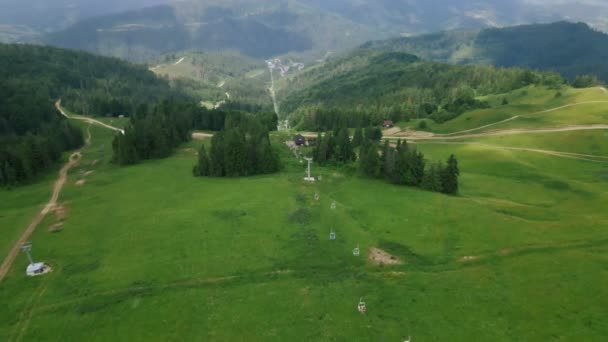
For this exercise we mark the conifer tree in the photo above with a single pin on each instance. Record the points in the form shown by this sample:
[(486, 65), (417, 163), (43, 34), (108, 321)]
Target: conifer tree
[(358, 137), (449, 179), (204, 166), (432, 178)]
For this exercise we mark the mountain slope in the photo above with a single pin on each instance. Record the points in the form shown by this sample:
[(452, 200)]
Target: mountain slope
[(369, 85), (568, 48), (145, 34), (265, 28), (86, 83)]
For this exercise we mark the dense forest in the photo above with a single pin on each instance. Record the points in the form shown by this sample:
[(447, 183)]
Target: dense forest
[(571, 49), (400, 164), (243, 149), (86, 83), (367, 87), (32, 133), (404, 165), (154, 131)]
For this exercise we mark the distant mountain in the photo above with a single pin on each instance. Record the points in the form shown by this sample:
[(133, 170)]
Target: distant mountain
[(144, 34), (263, 28), (568, 48), (24, 20)]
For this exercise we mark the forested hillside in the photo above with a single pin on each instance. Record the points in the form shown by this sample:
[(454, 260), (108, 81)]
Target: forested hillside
[(86, 83), (568, 48), (369, 86), (217, 77), (32, 133)]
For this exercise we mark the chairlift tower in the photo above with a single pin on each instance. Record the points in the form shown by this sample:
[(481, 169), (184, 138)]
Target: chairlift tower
[(27, 249), (356, 251), (332, 235), (34, 268), (309, 178)]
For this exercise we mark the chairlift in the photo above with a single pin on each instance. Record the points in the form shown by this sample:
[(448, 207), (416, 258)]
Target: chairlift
[(333, 205), (361, 307), (356, 251), (332, 235)]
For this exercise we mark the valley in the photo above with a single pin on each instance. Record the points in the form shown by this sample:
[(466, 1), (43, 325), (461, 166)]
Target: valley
[(207, 259), (303, 170)]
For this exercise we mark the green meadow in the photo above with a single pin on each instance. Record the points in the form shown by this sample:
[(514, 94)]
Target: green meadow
[(148, 252)]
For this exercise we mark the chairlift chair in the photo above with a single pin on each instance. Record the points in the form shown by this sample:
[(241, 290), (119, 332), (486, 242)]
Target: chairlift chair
[(361, 307), (356, 251), (332, 235)]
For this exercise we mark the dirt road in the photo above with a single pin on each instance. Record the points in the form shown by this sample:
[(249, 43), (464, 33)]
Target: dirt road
[(570, 155), (50, 205), (430, 136), (85, 119)]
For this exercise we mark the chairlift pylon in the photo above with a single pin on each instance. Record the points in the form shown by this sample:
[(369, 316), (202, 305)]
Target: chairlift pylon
[(356, 251), (332, 235)]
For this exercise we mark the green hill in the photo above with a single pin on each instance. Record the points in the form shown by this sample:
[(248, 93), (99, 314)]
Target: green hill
[(32, 132), (568, 48), (369, 86)]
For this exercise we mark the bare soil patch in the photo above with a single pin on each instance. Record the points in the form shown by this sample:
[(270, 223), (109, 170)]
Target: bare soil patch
[(468, 258), (57, 227), (80, 182), (88, 173), (380, 257)]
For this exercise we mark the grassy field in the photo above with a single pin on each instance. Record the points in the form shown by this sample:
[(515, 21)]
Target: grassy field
[(148, 252), (583, 106)]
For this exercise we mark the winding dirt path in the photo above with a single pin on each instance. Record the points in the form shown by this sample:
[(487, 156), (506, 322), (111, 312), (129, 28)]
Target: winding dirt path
[(86, 119), (50, 205)]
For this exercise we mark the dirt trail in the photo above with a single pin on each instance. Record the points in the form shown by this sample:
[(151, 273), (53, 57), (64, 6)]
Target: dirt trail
[(50, 205), (523, 115), (430, 136), (570, 155), (85, 119)]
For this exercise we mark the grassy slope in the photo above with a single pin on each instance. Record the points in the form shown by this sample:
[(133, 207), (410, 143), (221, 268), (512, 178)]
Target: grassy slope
[(144, 250), (527, 103)]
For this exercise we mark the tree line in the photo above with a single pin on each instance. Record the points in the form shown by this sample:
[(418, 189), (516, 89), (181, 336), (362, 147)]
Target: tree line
[(154, 131), (243, 149), (33, 134), (87, 84), (400, 164), (405, 165)]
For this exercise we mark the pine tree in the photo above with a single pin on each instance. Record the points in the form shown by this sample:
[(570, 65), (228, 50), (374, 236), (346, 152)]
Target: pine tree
[(388, 161), (449, 179), (235, 154), (369, 161), (432, 178), (204, 166), (344, 149), (358, 137), (216, 155)]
